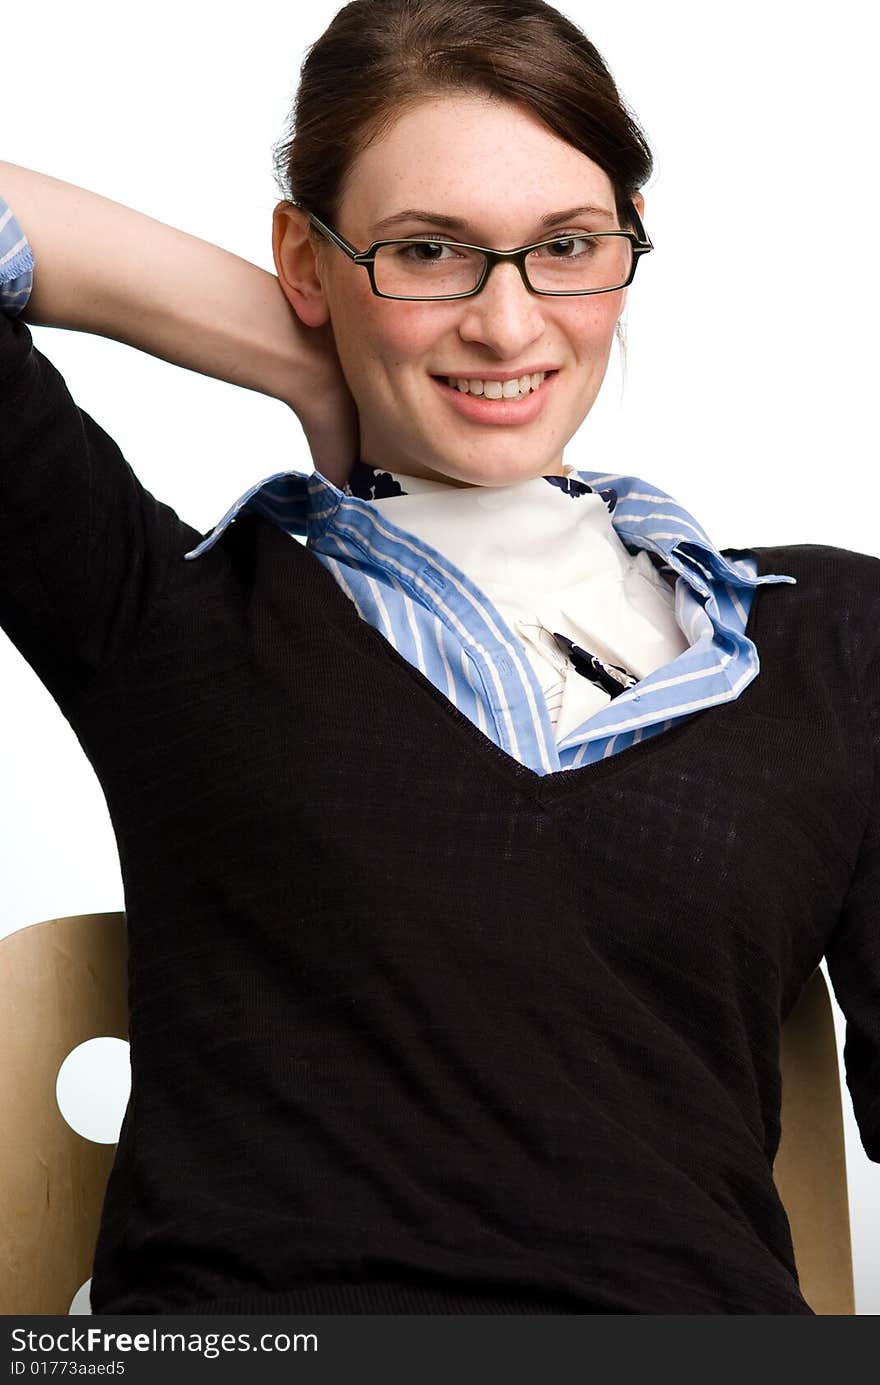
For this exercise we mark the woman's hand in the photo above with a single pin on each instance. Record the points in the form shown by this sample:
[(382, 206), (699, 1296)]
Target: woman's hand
[(316, 390), (104, 268)]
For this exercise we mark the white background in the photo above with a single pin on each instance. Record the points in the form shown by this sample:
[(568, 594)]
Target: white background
[(750, 386)]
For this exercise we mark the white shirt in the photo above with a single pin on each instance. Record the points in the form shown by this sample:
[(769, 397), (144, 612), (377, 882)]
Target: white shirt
[(550, 562)]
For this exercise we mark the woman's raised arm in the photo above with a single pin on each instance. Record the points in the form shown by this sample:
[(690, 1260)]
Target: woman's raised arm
[(104, 268)]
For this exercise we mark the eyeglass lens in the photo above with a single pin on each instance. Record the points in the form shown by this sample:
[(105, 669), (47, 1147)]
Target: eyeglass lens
[(576, 264)]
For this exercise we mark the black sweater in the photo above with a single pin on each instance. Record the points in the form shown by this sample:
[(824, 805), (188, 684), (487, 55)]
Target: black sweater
[(414, 1028)]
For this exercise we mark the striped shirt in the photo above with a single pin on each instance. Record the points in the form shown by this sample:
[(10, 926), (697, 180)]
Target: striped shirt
[(446, 626)]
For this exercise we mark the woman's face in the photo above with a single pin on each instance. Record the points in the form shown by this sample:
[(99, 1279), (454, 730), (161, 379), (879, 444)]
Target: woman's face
[(500, 172)]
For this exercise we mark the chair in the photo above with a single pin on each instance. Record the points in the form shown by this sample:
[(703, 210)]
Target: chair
[(810, 1166), (65, 981), (61, 983)]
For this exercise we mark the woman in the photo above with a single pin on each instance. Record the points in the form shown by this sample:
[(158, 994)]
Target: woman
[(470, 865)]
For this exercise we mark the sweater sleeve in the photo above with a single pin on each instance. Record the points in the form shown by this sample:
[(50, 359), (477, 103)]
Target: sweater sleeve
[(85, 549), (853, 952)]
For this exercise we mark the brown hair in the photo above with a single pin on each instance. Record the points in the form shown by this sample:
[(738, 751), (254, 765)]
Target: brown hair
[(379, 57)]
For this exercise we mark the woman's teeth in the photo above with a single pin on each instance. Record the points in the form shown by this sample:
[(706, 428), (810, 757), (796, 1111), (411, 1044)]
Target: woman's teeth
[(496, 389)]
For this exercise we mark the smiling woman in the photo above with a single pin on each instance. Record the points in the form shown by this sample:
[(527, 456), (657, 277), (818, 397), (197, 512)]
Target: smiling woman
[(433, 309), (476, 849), (419, 111)]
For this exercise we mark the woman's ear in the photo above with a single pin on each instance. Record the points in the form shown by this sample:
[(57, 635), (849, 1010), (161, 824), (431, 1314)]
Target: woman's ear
[(639, 204), (296, 263)]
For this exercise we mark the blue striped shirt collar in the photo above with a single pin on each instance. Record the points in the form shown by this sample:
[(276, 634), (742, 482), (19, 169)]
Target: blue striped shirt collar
[(427, 599), (303, 503)]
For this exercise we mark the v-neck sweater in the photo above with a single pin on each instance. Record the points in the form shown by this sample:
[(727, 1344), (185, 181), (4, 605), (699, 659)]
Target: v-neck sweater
[(413, 1027)]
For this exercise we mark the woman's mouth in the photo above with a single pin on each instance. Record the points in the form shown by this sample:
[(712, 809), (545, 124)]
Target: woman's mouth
[(497, 389), (495, 401)]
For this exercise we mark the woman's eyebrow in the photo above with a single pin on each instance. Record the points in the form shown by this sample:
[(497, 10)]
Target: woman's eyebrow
[(453, 223)]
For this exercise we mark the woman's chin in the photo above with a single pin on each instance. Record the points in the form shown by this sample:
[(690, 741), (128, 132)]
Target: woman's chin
[(501, 471)]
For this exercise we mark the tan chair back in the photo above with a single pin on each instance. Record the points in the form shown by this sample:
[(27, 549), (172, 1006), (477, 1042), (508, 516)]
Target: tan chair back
[(61, 983), (810, 1166)]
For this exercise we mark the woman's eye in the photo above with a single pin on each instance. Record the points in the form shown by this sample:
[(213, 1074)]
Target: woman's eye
[(569, 247), (428, 251)]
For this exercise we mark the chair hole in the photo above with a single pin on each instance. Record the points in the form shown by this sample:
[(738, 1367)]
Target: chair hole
[(92, 1088), (81, 1301)]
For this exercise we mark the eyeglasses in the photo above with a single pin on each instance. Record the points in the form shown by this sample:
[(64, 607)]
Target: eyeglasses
[(426, 268)]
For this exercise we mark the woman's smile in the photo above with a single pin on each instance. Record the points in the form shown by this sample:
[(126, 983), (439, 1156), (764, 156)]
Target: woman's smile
[(514, 385), (490, 406)]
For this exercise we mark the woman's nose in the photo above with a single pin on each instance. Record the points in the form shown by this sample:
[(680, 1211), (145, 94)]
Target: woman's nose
[(504, 315)]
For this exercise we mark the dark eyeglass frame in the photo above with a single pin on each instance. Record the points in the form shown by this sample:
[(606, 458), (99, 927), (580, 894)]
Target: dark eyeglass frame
[(639, 240)]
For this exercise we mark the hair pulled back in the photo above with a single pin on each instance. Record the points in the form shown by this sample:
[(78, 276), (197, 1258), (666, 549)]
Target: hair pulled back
[(378, 58)]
